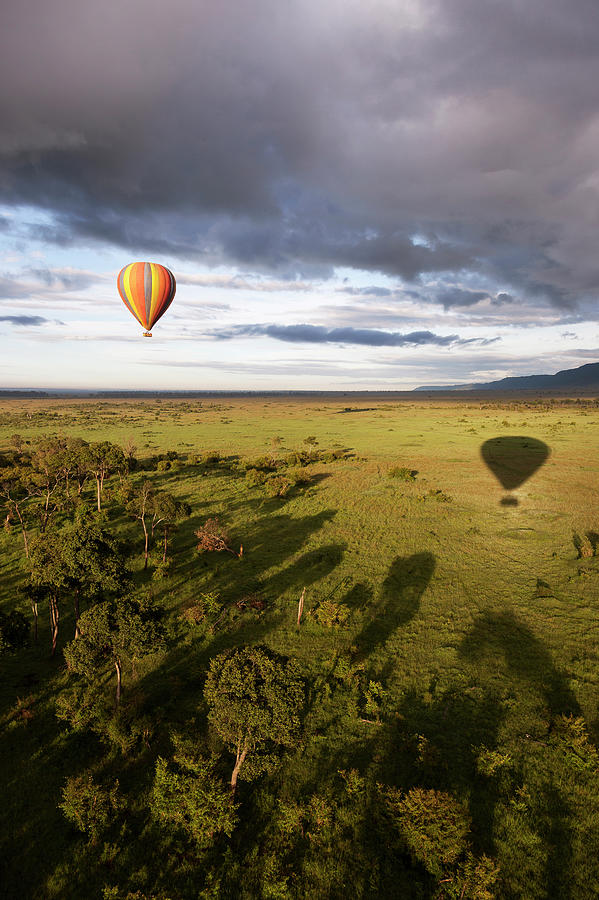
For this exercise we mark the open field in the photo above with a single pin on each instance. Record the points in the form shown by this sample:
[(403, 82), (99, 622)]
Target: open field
[(444, 638)]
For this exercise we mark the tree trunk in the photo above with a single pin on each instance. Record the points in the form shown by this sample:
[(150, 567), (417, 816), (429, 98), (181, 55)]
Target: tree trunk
[(26, 543), (164, 554), (99, 491), (34, 611), (46, 514), (300, 607), (76, 604), (238, 764), (54, 616), (143, 522), (119, 668)]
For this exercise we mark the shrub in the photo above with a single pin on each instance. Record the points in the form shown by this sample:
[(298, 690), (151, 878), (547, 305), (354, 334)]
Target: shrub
[(188, 797), (207, 607), (213, 537), (433, 825), (298, 476), (403, 473), (89, 805), (212, 458), (278, 486), (583, 545), (162, 568), (330, 613), (254, 477), (262, 464)]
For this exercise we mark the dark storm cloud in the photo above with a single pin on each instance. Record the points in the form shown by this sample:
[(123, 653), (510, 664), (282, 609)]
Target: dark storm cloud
[(372, 291), (318, 334), (65, 280), (26, 321), (458, 297), (409, 139)]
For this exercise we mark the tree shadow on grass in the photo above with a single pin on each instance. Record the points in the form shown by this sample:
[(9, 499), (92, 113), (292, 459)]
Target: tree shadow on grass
[(436, 743), (524, 654), (399, 601), (309, 568), (267, 542)]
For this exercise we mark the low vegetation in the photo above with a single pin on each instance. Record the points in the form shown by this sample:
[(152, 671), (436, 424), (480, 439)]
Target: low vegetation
[(254, 648)]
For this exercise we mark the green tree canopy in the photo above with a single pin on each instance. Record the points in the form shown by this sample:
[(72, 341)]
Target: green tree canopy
[(255, 698), (188, 796), (112, 633)]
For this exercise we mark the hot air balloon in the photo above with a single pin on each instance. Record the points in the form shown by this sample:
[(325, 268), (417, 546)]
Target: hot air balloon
[(513, 459), (147, 290)]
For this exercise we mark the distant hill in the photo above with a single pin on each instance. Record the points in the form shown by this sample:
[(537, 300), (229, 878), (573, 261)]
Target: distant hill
[(586, 377)]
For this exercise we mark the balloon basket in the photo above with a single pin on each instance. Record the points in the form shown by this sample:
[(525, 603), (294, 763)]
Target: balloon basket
[(147, 334)]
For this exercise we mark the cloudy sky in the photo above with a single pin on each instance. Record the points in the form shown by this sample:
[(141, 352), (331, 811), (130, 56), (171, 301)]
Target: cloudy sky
[(351, 195)]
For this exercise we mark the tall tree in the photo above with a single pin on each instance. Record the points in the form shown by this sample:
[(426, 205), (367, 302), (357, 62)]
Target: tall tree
[(255, 698), (93, 566), (112, 633), (140, 508), (167, 513), (103, 459), (48, 577), (44, 480), (14, 496), (75, 464)]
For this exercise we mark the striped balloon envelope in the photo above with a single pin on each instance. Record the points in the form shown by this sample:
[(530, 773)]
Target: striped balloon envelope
[(147, 290)]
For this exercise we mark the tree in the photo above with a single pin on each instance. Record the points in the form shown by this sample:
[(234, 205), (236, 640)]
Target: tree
[(93, 566), (187, 796), (139, 507), (48, 578), (214, 537), (14, 496), (112, 632), (255, 698), (167, 512), (44, 479), (103, 459), (75, 463)]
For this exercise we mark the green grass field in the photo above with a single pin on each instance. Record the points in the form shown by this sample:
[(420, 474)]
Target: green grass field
[(478, 623)]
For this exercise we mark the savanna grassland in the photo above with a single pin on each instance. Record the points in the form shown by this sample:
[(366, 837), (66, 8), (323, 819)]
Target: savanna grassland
[(448, 654)]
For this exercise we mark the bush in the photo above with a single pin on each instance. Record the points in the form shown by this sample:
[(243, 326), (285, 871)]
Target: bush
[(261, 464), (188, 797), (207, 607), (89, 805), (254, 477), (298, 476), (162, 568), (212, 458), (432, 824), (213, 537), (278, 486), (403, 473), (583, 545), (330, 613)]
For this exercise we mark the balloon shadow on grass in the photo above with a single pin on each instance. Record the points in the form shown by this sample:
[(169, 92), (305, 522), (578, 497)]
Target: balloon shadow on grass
[(399, 601), (513, 459)]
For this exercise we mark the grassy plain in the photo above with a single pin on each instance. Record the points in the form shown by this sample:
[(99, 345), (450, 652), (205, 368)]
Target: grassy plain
[(478, 621)]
